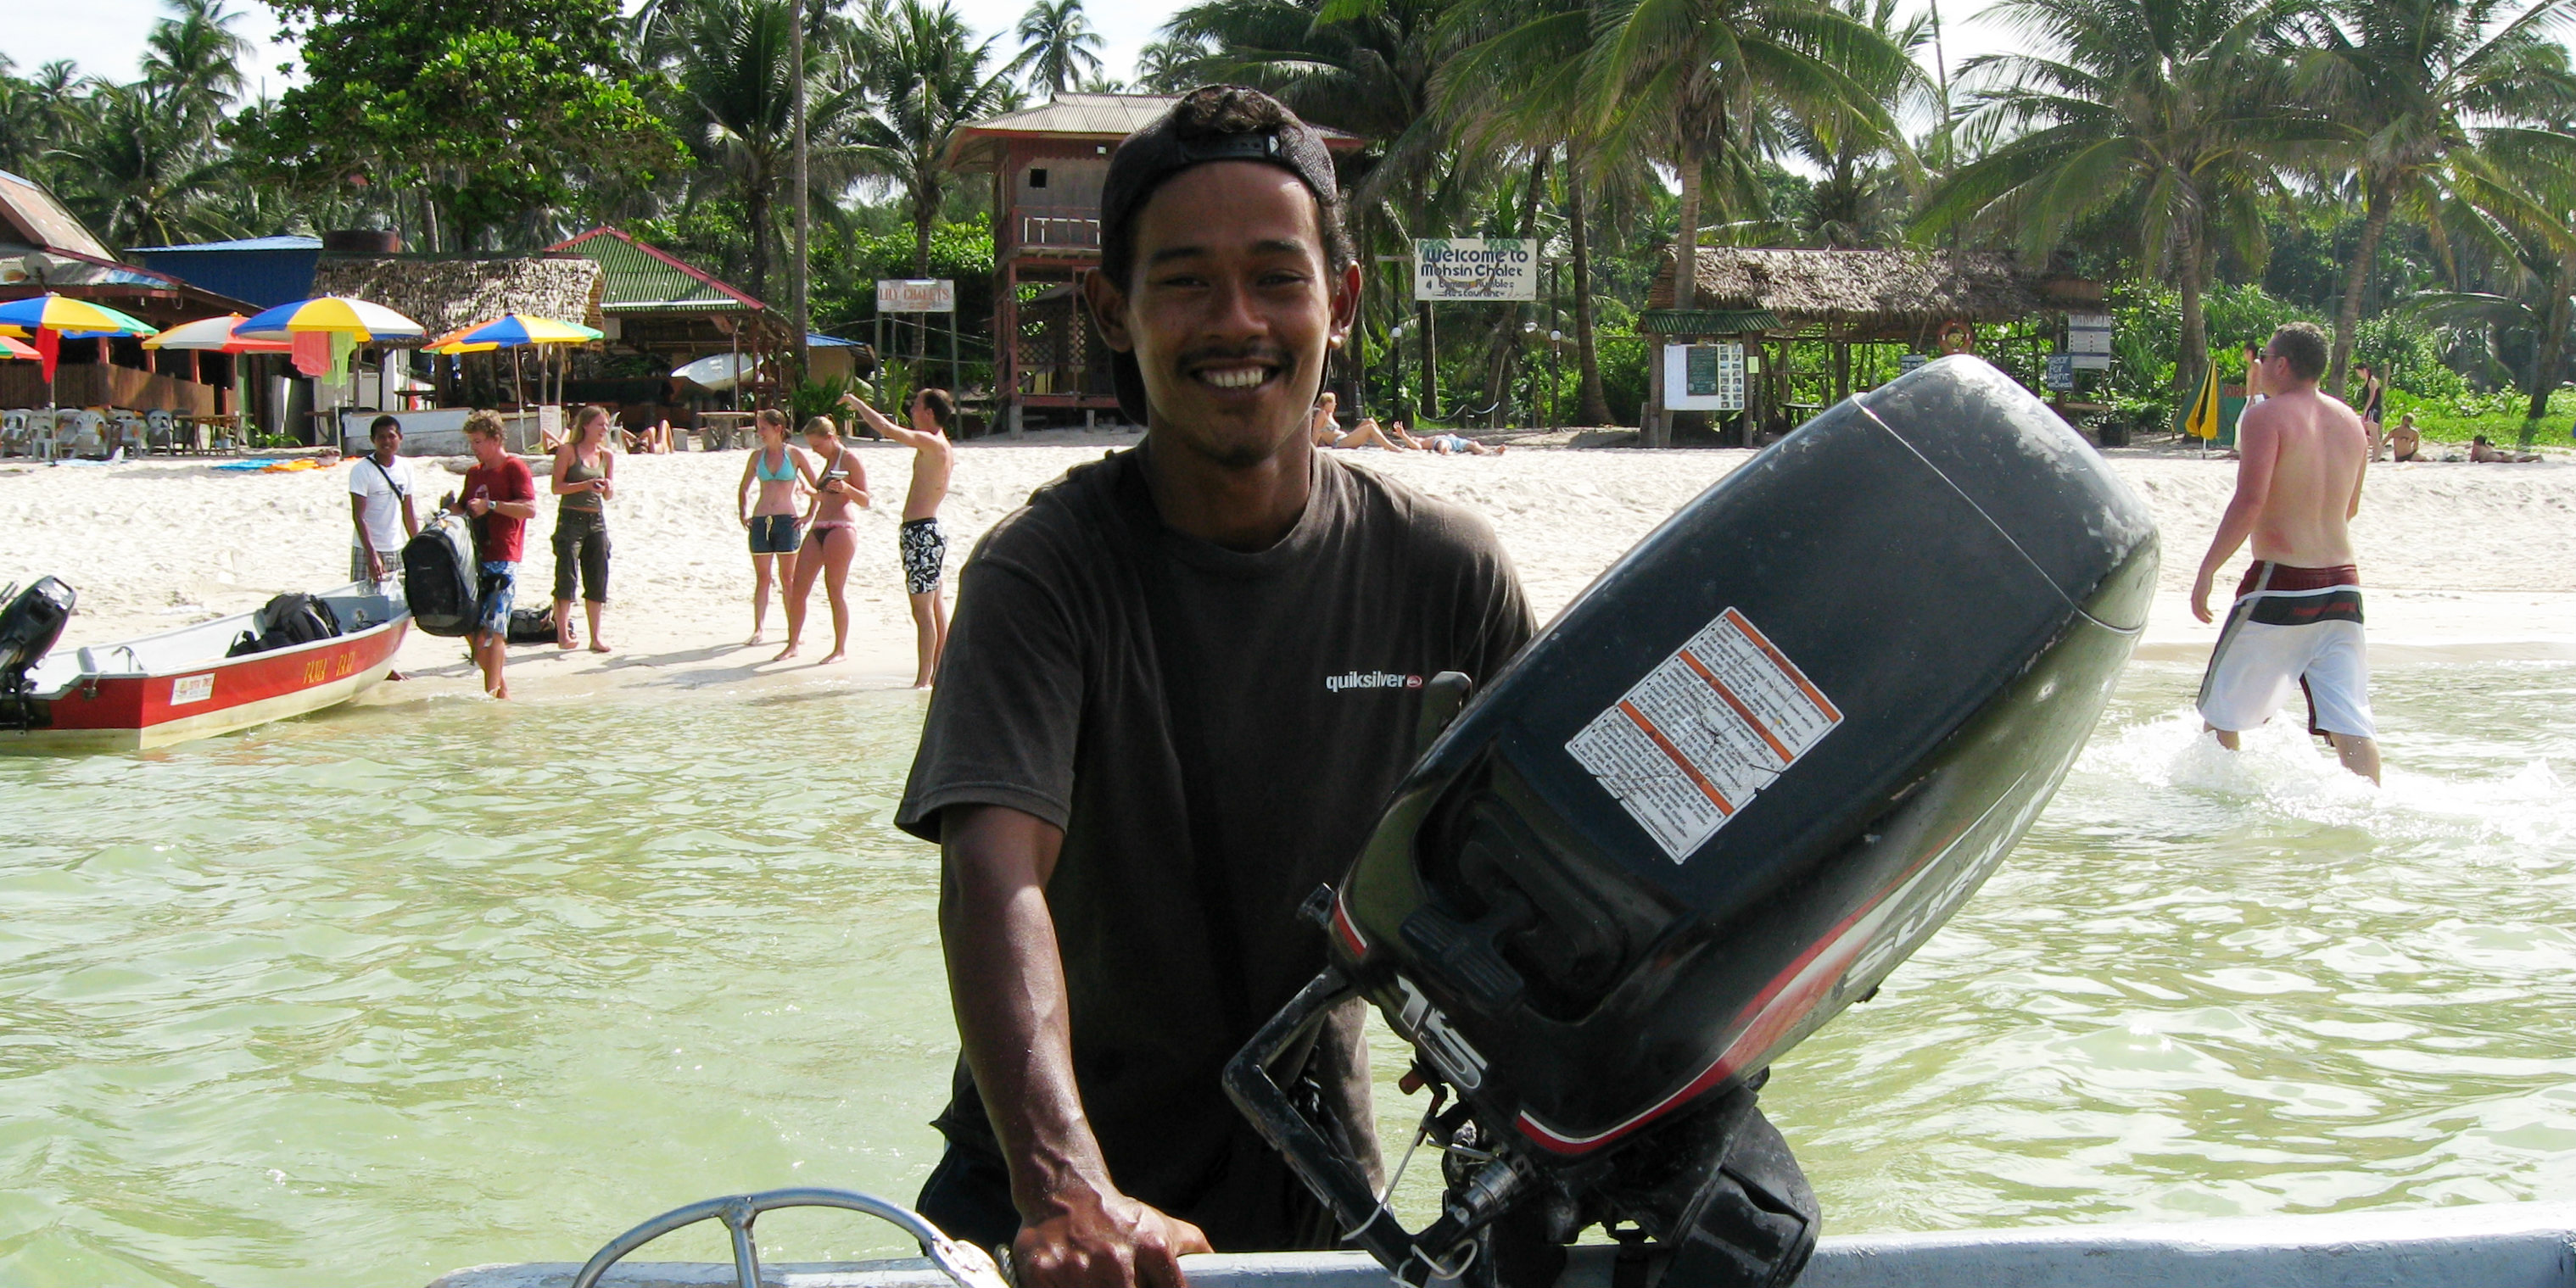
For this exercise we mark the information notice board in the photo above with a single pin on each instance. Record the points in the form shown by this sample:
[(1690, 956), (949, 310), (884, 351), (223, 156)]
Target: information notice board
[(1704, 377)]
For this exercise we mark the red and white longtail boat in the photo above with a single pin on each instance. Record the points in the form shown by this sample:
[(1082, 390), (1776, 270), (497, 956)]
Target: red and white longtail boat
[(179, 684)]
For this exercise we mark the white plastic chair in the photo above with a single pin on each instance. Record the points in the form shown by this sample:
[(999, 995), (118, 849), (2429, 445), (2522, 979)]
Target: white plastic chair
[(128, 430), (13, 432), (43, 437), (81, 432), (160, 431)]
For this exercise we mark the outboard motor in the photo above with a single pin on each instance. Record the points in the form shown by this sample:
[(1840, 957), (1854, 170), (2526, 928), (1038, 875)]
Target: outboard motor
[(33, 620), (1739, 780)]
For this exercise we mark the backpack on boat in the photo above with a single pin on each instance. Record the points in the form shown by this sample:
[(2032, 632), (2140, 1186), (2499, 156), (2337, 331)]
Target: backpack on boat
[(286, 621), (439, 582), (532, 625)]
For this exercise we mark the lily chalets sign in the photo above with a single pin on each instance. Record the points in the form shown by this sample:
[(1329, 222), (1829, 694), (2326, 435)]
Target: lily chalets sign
[(1468, 268)]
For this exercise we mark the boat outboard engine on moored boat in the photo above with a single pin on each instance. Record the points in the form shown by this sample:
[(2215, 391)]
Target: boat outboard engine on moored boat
[(1738, 781), (33, 619)]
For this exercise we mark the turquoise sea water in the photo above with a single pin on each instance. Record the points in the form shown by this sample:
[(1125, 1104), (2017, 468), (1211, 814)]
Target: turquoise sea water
[(363, 998)]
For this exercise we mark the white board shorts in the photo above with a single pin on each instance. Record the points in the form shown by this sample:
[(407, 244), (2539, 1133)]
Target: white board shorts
[(2291, 630)]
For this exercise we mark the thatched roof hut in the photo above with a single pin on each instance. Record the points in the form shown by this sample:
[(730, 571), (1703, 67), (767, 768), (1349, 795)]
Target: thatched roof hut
[(1873, 291), (444, 294)]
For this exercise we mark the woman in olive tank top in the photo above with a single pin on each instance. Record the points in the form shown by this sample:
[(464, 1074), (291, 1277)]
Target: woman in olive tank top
[(585, 473)]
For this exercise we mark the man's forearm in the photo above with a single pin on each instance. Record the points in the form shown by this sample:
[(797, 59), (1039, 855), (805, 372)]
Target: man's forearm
[(1007, 983)]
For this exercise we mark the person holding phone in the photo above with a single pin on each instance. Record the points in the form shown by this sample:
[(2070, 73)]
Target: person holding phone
[(832, 539)]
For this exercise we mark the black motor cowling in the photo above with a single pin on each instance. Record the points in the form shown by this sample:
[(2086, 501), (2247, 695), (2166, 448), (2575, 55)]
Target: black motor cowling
[(1735, 784), (29, 625)]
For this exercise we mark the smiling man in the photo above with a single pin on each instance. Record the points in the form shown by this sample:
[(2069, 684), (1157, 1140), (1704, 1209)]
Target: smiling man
[(1147, 745)]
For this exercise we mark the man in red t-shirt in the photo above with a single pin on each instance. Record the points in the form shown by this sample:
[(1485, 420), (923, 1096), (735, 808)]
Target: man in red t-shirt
[(502, 496)]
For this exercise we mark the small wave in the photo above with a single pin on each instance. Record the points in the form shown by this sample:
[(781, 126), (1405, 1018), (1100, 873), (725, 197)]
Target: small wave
[(2283, 770)]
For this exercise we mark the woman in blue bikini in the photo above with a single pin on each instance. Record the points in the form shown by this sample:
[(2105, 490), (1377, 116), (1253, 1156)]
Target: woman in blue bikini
[(782, 470)]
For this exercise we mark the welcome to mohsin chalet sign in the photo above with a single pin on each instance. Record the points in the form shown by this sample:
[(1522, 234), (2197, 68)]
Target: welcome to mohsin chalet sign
[(1466, 268)]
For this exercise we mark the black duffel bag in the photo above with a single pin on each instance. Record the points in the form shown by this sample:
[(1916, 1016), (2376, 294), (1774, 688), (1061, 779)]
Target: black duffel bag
[(532, 626), (439, 579), (286, 621)]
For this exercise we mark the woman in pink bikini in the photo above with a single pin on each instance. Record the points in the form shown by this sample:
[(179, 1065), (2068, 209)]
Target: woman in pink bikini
[(840, 490)]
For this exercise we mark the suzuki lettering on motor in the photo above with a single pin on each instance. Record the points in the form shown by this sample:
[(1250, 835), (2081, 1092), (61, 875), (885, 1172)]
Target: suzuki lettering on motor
[(1735, 784)]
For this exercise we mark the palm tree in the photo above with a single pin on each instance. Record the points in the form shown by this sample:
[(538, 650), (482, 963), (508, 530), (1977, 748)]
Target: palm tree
[(1524, 76), (2172, 109), (2529, 231), (195, 56), (1057, 45), (733, 83), (1169, 65), (927, 77), (1861, 187), (2425, 85), (143, 166), (1706, 79)]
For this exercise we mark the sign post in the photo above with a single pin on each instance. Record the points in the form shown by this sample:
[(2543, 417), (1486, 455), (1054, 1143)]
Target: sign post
[(918, 296)]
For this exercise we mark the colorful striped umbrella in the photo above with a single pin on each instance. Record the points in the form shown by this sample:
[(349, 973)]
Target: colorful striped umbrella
[(511, 331), (62, 313), (51, 317), (214, 335), (331, 315), (10, 348)]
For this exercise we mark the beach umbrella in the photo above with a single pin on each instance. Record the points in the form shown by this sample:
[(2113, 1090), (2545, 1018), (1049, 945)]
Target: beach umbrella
[(214, 335), (50, 317), (330, 315), (11, 348), (330, 326), (2202, 423), (514, 331), (510, 331), (65, 314)]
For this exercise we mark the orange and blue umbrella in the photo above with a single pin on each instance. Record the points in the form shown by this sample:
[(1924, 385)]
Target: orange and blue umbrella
[(512, 331), (361, 320)]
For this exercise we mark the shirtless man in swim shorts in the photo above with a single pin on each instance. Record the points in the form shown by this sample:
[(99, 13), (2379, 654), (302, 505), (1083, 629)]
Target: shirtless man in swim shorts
[(2296, 623), (923, 542)]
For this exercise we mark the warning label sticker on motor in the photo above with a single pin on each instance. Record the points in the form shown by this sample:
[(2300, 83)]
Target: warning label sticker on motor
[(1697, 739)]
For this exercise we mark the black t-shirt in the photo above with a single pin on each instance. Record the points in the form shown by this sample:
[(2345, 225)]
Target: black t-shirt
[(1217, 733)]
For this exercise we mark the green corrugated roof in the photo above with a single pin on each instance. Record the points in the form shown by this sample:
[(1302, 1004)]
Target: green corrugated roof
[(635, 279), (1708, 321)]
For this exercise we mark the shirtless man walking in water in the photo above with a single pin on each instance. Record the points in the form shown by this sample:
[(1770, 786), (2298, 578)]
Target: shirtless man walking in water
[(2296, 623), (924, 542)]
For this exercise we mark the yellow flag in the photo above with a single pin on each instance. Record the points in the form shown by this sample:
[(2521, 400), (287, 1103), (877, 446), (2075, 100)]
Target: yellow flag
[(2203, 421)]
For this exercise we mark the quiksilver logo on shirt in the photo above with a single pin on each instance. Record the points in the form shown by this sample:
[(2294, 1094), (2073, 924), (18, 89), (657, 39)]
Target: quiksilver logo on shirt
[(1371, 680)]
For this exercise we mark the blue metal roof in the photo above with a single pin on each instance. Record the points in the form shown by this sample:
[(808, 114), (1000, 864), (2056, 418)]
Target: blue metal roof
[(818, 340), (266, 271), (247, 243)]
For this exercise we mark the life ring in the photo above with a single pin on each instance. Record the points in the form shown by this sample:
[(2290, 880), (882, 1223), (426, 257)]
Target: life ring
[(1957, 337)]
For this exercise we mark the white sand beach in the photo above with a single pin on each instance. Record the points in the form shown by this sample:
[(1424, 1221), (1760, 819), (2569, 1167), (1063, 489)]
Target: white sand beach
[(2461, 561)]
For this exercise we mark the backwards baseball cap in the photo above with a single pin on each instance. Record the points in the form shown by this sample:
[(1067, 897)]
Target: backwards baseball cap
[(1210, 123)]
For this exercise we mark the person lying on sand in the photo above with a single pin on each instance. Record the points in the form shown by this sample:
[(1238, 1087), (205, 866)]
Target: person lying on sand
[(2486, 453), (1459, 445)]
